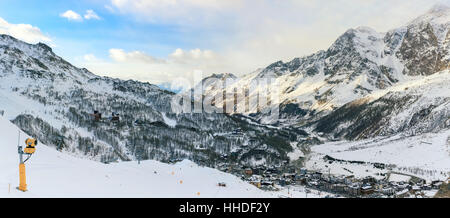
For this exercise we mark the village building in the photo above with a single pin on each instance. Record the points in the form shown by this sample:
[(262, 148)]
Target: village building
[(248, 171)]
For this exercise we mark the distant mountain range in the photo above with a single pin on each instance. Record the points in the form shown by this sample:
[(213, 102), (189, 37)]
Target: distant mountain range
[(361, 85)]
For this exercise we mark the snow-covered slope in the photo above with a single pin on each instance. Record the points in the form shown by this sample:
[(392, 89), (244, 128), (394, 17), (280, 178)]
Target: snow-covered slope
[(426, 156), (54, 174), (413, 107)]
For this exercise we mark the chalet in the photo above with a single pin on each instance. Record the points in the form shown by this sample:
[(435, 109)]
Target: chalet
[(258, 170), (303, 171), (369, 180), (328, 178), (289, 175), (403, 193), (301, 181), (313, 183), (402, 186), (340, 179), (349, 179), (367, 189), (339, 188), (284, 182), (327, 186), (353, 190), (415, 189), (267, 183), (388, 191), (273, 170), (317, 175), (436, 184), (426, 187), (379, 166)]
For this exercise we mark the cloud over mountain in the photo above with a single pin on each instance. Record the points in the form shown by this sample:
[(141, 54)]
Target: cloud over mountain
[(25, 32)]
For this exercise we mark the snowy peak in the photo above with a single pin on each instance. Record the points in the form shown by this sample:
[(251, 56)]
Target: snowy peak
[(437, 17), (439, 9), (354, 35), (39, 48), (222, 76), (36, 61)]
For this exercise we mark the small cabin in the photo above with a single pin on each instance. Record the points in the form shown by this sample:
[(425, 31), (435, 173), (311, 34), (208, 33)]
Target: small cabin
[(248, 171), (97, 116), (115, 117), (222, 184)]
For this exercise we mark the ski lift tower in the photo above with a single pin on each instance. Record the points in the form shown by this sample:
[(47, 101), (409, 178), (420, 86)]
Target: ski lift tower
[(28, 151)]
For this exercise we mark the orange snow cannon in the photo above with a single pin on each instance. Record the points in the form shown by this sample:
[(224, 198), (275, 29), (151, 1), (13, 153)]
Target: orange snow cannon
[(29, 151), (31, 144), (22, 178)]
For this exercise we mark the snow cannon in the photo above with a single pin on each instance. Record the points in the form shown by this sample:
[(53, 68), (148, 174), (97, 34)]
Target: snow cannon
[(30, 146), (29, 151)]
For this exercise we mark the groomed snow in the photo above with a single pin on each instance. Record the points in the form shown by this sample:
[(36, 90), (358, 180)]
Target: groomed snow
[(399, 178), (168, 121), (426, 156), (54, 174)]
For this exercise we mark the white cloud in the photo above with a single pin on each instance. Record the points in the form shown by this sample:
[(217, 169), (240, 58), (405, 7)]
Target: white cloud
[(24, 32), (119, 55), (90, 58), (181, 11), (193, 55), (141, 66), (90, 14), (71, 15)]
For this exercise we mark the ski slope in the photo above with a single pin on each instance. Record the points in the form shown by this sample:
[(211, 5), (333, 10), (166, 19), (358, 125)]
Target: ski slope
[(54, 174), (425, 156)]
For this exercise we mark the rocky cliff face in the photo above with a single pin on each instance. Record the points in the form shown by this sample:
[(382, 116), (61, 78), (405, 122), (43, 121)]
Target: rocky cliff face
[(424, 48)]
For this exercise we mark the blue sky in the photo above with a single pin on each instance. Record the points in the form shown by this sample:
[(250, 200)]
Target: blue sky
[(93, 36), (160, 40)]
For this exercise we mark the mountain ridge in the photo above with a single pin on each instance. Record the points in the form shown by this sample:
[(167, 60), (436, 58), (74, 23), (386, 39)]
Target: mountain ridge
[(51, 99), (360, 63)]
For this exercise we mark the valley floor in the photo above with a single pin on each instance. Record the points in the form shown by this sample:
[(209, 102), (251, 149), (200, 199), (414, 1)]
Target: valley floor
[(426, 156), (399, 166)]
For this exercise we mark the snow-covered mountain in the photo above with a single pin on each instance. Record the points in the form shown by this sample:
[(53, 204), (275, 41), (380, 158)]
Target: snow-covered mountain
[(54, 101), (403, 72)]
